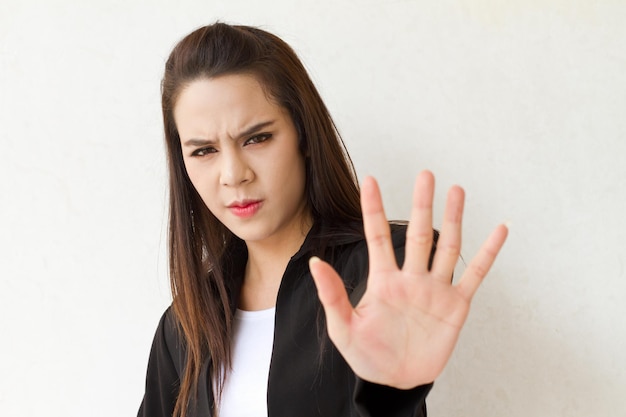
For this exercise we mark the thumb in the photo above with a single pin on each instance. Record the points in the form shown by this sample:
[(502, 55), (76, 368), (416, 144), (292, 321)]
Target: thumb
[(334, 299)]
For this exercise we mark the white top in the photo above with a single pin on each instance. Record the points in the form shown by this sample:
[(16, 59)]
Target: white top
[(245, 391)]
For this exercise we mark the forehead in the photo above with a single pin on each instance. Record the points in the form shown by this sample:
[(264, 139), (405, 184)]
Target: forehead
[(234, 97)]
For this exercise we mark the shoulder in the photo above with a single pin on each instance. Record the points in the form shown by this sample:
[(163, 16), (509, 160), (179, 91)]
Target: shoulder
[(398, 238), (167, 323), (351, 260), (169, 340), (358, 248), (398, 233), (164, 369)]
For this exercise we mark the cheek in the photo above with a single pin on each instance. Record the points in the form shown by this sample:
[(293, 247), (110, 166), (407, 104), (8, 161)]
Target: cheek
[(295, 175), (199, 176), (192, 174)]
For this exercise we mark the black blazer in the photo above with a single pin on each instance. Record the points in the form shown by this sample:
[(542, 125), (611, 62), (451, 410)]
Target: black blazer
[(308, 377)]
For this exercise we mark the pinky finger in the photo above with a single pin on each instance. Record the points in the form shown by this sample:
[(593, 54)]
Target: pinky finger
[(480, 265)]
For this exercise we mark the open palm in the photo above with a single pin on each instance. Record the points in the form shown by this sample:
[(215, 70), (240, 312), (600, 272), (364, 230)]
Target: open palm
[(405, 327)]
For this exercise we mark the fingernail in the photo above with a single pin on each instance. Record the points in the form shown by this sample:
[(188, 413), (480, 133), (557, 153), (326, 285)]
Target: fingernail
[(314, 260), (508, 224)]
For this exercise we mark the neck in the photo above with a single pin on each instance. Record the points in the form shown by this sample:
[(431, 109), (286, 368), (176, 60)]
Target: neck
[(267, 260), (266, 265)]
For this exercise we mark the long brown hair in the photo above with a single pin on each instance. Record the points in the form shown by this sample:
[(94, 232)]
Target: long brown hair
[(199, 245)]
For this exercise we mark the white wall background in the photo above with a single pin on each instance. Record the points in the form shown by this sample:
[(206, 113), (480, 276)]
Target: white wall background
[(522, 102)]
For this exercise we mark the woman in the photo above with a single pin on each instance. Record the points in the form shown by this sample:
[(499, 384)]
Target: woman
[(261, 188)]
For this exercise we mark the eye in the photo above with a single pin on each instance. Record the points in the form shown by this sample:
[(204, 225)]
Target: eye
[(204, 151), (262, 137)]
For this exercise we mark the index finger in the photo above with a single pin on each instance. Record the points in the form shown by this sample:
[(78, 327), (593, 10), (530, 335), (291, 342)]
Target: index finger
[(376, 227)]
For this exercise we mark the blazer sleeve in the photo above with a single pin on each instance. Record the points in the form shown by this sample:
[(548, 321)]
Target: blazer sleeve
[(374, 400), (162, 378)]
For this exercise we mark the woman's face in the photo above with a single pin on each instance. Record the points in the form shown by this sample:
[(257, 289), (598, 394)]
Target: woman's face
[(241, 153)]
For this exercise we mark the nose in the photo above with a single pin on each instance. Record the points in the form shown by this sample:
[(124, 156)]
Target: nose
[(234, 168)]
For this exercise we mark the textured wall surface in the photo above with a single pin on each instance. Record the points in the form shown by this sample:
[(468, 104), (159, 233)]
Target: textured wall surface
[(521, 102)]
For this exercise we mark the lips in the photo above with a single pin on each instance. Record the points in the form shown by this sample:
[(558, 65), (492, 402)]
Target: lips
[(245, 208)]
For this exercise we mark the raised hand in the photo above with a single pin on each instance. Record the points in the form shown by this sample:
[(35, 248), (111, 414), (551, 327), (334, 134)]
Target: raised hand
[(405, 327)]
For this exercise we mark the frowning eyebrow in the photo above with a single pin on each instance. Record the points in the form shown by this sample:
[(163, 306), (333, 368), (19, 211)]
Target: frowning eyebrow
[(249, 131)]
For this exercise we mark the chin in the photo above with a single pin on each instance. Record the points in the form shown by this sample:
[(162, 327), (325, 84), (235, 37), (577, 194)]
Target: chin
[(249, 234)]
